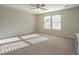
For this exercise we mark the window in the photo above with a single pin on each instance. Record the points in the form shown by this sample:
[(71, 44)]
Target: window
[(47, 22), (52, 22), (56, 22)]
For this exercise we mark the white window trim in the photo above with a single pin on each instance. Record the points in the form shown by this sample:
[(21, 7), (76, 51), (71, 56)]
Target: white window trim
[(58, 22)]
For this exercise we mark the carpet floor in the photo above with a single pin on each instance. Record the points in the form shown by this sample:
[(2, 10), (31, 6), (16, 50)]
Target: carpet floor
[(37, 44)]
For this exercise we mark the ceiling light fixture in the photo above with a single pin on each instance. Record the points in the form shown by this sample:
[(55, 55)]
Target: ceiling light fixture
[(38, 7)]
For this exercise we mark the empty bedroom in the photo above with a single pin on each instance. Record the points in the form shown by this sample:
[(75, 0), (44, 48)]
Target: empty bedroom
[(39, 29)]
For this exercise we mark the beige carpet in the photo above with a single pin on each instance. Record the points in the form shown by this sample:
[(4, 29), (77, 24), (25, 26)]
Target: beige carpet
[(38, 44)]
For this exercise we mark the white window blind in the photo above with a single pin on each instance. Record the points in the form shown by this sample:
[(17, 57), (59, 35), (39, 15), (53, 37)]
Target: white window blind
[(47, 22), (56, 22), (52, 22)]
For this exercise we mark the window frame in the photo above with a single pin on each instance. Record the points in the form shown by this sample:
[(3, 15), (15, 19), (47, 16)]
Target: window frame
[(44, 23), (54, 22)]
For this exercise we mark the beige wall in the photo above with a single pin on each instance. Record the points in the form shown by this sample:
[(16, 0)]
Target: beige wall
[(70, 22), (14, 22)]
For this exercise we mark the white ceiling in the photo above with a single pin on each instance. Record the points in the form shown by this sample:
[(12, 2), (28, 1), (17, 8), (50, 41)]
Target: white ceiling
[(49, 7)]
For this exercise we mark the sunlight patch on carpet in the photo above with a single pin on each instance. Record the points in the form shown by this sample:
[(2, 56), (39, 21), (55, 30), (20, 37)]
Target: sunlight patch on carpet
[(29, 36), (2, 41), (37, 40), (12, 46)]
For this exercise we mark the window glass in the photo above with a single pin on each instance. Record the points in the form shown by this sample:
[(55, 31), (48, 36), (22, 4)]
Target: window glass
[(56, 22), (47, 22)]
